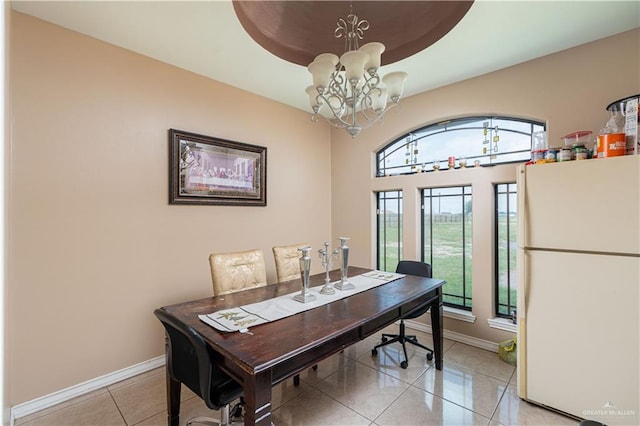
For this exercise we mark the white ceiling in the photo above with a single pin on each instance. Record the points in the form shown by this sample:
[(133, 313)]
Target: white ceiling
[(205, 37)]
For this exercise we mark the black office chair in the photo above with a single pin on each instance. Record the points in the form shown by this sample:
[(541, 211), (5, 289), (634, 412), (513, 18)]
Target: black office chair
[(421, 269), (192, 362)]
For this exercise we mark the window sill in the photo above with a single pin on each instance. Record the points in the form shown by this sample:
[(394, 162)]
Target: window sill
[(503, 324), (458, 314)]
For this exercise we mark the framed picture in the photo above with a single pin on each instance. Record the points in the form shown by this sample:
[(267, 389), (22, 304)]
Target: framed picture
[(208, 170)]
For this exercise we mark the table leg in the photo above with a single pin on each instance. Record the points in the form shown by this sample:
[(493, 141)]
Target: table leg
[(173, 401), (257, 395), (173, 390), (437, 329)]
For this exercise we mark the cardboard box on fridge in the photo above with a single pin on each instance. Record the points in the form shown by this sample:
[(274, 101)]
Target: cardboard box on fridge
[(631, 119)]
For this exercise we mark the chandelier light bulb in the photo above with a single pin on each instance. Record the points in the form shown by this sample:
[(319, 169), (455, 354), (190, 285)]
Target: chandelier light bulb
[(312, 92), (374, 50), (379, 100), (327, 57), (394, 82), (354, 62), (321, 72)]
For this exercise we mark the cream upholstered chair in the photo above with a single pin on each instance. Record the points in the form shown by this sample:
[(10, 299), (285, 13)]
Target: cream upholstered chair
[(287, 261), (231, 272)]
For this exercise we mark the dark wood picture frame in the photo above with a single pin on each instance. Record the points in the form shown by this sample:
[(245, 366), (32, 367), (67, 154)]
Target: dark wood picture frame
[(214, 171)]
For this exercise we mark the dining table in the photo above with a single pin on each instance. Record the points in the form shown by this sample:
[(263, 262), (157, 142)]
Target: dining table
[(265, 355)]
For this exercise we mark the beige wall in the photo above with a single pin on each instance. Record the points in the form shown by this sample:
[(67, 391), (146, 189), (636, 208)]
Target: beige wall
[(569, 90), (4, 355), (95, 247)]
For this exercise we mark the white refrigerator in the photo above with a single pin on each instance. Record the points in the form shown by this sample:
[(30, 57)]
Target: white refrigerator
[(578, 287)]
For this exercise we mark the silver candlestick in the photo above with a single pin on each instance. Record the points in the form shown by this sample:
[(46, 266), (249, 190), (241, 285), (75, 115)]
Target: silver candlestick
[(325, 257), (305, 295), (344, 283)]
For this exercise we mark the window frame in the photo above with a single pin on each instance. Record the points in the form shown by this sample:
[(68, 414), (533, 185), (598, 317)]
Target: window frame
[(511, 307), (445, 126), (381, 219), (465, 276)]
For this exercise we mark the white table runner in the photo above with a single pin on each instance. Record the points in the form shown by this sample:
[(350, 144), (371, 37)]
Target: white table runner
[(243, 317)]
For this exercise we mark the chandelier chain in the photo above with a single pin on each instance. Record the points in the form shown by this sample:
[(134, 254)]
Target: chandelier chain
[(352, 29)]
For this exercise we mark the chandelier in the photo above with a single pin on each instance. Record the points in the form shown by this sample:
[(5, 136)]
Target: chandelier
[(349, 86)]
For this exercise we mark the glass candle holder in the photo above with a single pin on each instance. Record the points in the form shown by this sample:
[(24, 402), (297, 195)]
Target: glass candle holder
[(452, 162)]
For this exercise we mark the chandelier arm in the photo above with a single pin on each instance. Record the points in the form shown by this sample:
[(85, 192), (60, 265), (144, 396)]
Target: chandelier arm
[(338, 122), (365, 105), (371, 81), (381, 115), (337, 113), (338, 86), (371, 120), (335, 121)]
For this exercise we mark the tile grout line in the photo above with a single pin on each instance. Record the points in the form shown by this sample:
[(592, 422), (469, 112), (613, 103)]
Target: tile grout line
[(116, 404), (328, 396), (504, 391)]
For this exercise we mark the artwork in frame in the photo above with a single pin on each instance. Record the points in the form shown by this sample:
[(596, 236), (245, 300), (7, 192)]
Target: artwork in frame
[(214, 171)]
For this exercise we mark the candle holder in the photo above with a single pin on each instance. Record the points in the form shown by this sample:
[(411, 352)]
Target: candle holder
[(452, 163), (344, 283), (305, 295), (325, 258)]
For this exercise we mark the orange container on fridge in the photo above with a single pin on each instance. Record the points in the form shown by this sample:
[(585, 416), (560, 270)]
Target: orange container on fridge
[(611, 145)]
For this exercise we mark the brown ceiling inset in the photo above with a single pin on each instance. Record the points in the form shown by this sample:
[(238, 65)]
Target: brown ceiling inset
[(298, 31)]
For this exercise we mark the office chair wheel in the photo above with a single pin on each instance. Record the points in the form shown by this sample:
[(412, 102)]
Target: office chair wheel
[(374, 352), (429, 356), (404, 365), (236, 412), (384, 339)]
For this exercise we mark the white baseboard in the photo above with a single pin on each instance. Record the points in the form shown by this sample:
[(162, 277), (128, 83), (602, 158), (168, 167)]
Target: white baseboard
[(458, 337), (63, 395)]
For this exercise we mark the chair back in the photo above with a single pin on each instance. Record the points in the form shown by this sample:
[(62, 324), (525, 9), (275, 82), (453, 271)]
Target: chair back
[(420, 269), (231, 272), (413, 267), (287, 260), (191, 362)]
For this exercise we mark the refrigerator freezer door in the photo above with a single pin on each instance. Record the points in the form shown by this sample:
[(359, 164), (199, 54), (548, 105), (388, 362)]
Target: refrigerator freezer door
[(591, 205), (582, 335)]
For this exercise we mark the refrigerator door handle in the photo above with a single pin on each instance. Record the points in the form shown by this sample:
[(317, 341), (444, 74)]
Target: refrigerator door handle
[(521, 182), (521, 303)]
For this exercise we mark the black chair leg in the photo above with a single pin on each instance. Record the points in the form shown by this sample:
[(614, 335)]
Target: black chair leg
[(394, 338), (402, 338), (415, 342)]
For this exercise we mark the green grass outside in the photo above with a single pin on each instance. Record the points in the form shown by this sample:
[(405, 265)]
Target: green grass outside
[(447, 259), (505, 248)]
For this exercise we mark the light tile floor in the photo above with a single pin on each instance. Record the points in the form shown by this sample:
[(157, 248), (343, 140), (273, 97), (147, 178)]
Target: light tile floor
[(351, 388)]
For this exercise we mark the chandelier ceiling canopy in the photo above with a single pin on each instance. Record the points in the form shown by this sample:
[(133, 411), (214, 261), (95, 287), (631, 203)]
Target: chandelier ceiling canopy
[(298, 31), (348, 90)]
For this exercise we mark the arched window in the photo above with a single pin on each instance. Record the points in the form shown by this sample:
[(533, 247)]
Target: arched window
[(471, 141)]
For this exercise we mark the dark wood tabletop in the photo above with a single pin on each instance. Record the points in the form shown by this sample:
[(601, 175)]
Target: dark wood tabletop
[(279, 349)]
